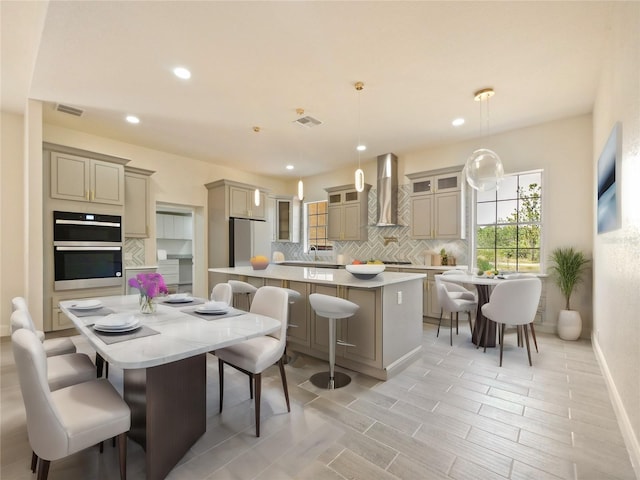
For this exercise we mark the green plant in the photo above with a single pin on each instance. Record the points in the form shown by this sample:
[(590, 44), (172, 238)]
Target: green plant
[(444, 257), (567, 269)]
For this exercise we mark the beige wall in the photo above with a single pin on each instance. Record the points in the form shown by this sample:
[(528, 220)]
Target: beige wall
[(12, 248), (616, 336)]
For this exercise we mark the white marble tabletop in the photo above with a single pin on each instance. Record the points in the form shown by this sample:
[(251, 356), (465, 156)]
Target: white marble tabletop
[(180, 335), (326, 276)]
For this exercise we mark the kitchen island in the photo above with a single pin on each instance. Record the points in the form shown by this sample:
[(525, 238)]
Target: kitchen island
[(383, 337)]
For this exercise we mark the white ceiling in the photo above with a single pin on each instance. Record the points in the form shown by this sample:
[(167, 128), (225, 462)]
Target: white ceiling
[(254, 63)]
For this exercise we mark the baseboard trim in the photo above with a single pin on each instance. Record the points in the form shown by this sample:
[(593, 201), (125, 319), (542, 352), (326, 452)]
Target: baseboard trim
[(630, 438)]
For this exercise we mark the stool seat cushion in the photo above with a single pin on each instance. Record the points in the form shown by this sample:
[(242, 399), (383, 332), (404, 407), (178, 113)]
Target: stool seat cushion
[(294, 296), (332, 307), (242, 287)]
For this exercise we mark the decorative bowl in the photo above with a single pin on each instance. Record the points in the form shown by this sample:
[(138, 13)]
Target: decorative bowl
[(259, 264), (364, 271)]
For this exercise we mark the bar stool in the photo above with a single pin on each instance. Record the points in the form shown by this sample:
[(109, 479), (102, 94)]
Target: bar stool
[(243, 288), (332, 308), (294, 297)]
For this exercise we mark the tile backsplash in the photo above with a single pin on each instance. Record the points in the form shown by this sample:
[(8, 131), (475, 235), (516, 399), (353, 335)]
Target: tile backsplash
[(133, 252), (405, 249)]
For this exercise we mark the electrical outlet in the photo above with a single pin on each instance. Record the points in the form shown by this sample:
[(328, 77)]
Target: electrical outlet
[(400, 297)]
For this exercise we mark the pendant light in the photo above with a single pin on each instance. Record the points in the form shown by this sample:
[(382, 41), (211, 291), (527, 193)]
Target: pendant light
[(256, 193), (359, 175), (300, 112), (483, 169)]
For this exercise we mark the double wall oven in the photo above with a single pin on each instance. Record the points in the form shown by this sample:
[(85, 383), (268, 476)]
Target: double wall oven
[(87, 250)]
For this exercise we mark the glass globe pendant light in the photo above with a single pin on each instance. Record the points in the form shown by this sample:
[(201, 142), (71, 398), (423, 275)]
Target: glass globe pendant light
[(483, 169), (359, 175)]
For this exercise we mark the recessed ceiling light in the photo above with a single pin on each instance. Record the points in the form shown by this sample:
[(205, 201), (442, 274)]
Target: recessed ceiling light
[(289, 167), (457, 122), (133, 119), (361, 148), (182, 72)]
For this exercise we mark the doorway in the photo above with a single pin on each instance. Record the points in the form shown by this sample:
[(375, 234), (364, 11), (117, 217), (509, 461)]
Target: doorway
[(175, 246)]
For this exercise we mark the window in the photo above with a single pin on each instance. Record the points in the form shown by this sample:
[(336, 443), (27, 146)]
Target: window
[(316, 226), (509, 224)]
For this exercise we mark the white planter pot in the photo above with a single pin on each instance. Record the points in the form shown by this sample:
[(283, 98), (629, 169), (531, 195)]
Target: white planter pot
[(569, 325)]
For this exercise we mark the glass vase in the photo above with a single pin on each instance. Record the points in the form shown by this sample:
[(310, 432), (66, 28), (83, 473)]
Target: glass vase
[(147, 305)]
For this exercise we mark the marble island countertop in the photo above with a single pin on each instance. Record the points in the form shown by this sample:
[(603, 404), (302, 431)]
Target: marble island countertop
[(330, 276), (408, 266)]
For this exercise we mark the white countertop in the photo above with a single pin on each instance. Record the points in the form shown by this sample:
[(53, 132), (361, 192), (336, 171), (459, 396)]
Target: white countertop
[(140, 267), (326, 276), (181, 335)]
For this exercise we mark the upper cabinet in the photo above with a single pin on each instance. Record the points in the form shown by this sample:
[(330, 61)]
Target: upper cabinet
[(242, 203), (86, 179), (136, 202), (436, 204), (348, 213), (173, 226), (287, 221)]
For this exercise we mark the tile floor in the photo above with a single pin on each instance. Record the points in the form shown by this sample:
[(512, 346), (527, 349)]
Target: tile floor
[(452, 414)]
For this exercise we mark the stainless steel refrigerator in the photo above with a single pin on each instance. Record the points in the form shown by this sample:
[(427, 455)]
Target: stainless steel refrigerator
[(248, 238)]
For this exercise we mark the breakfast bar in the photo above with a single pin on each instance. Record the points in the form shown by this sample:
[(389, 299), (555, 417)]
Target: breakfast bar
[(382, 338)]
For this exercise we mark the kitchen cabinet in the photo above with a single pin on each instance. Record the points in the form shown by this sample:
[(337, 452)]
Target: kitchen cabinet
[(86, 179), (170, 270), (347, 213), (136, 202), (242, 203), (287, 219), (436, 205), (171, 226)]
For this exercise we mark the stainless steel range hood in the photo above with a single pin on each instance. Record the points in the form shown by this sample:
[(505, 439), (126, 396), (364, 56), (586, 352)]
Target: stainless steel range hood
[(387, 190)]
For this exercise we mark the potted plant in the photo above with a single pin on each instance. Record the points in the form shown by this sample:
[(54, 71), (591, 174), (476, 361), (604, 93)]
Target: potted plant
[(568, 266)]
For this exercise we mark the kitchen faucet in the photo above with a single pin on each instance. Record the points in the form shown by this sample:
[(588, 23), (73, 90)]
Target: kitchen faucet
[(315, 252)]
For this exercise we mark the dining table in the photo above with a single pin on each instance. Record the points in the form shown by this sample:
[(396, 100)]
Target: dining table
[(164, 365), (483, 284)]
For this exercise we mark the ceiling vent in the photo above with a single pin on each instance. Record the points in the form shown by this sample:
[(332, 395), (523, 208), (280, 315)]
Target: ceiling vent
[(308, 121), (69, 110)]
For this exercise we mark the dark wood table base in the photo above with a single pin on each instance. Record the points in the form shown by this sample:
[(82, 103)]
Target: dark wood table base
[(168, 410), (484, 292)]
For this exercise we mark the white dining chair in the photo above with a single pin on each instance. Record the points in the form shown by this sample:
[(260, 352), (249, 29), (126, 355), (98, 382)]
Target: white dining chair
[(65, 421), (515, 303), (52, 346), (222, 292), (62, 370), (453, 298), (515, 276), (255, 355)]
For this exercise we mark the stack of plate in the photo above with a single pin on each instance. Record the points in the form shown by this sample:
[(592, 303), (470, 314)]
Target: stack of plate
[(179, 298), (213, 308), (86, 305), (117, 323)]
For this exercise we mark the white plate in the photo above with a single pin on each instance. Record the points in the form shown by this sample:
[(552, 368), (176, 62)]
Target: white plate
[(86, 305), (181, 299), (211, 312), (120, 330), (214, 308), (116, 321)]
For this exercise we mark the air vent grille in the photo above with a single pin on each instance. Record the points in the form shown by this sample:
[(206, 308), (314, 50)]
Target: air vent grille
[(69, 110), (308, 121)]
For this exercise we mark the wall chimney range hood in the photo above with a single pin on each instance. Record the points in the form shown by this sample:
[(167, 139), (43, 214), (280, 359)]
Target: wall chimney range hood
[(387, 191)]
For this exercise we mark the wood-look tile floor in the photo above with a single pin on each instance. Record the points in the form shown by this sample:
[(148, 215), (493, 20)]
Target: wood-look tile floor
[(454, 414)]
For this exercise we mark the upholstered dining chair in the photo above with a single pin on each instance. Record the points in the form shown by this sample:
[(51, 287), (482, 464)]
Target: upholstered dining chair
[(70, 419), (62, 370), (52, 346), (222, 292), (515, 276), (515, 303), (255, 355), (453, 298)]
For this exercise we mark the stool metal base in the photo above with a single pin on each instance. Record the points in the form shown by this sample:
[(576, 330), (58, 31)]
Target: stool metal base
[(322, 380)]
